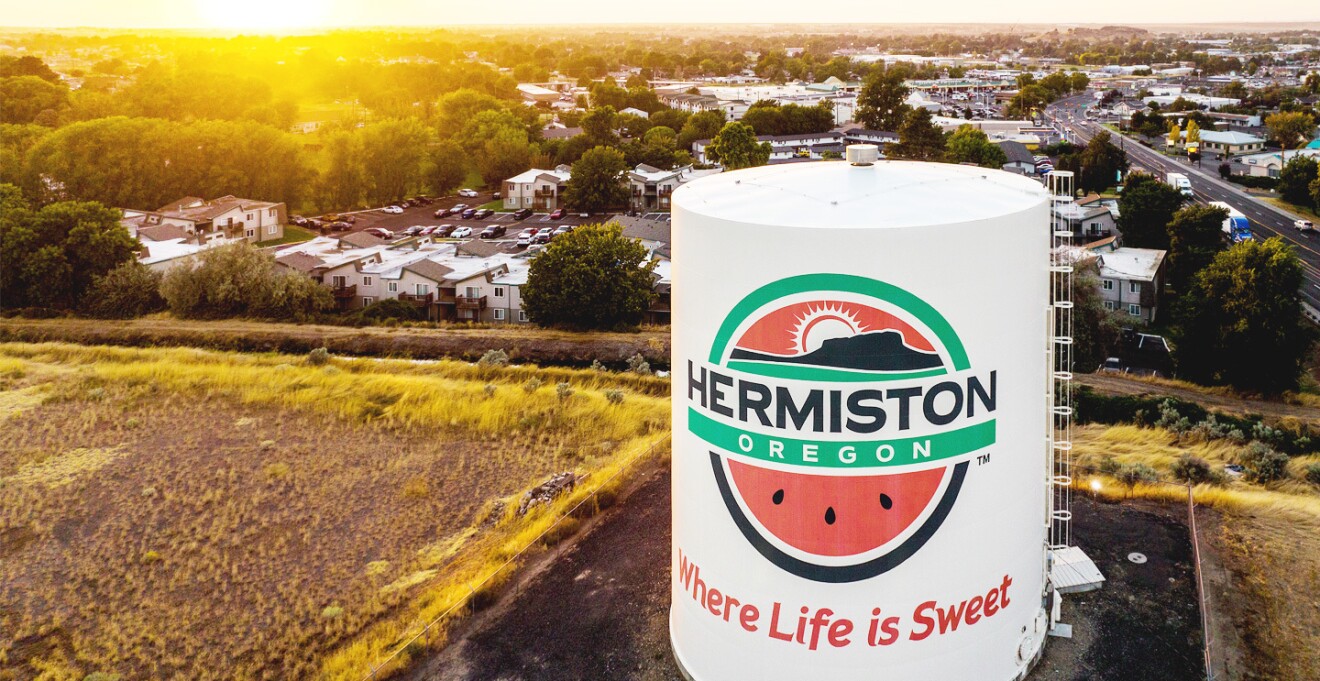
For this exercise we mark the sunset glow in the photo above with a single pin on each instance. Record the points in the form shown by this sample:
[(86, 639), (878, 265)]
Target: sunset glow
[(264, 15)]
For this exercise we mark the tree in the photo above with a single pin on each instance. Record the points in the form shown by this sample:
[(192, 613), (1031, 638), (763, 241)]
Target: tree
[(449, 165), (26, 97), (1240, 323), (598, 181), (27, 66), (1096, 330), (1079, 81), (882, 103), (702, 125), (1029, 101), (239, 280), (49, 257), (127, 291), (736, 147), (1295, 180), (1175, 134), (600, 123), (969, 145), (394, 158), (455, 109), (505, 155), (662, 136), (1290, 128), (1099, 163), (1195, 237), (1145, 210), (919, 139), (1235, 90), (591, 278), (343, 183)]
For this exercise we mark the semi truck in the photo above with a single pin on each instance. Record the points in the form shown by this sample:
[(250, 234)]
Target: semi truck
[(1180, 182), (1236, 226)]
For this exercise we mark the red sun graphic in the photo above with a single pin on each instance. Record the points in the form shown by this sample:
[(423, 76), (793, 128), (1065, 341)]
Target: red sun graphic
[(801, 328)]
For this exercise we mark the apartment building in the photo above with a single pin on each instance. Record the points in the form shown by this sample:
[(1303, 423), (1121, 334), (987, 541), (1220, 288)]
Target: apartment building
[(537, 189)]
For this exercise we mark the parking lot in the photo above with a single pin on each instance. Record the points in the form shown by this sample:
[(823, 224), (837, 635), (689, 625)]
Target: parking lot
[(424, 215)]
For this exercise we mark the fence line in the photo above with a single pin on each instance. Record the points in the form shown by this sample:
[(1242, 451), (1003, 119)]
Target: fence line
[(591, 496)]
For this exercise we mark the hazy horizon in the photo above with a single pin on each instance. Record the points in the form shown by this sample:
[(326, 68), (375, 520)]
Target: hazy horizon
[(259, 16)]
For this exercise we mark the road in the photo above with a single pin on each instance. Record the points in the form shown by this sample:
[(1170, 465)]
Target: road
[(1266, 220)]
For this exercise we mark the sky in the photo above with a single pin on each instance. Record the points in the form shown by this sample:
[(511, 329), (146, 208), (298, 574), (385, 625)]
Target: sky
[(282, 15)]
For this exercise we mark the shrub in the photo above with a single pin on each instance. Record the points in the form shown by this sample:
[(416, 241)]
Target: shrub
[(563, 391), (1194, 470), (392, 308), (1261, 464), (597, 366), (533, 384), (638, 364), (151, 557), (237, 280), (318, 357), (332, 612), (1312, 473), (130, 290), (1132, 473), (494, 358), (489, 390), (614, 396), (1254, 182)]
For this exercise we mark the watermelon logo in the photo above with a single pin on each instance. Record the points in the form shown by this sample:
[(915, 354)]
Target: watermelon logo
[(842, 414)]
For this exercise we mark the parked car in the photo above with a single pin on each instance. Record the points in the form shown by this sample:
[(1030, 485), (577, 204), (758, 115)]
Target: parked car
[(350, 219), (379, 232), (558, 214), (443, 231), (468, 193), (562, 229), (422, 200), (425, 231), (394, 210), (441, 212), (339, 226), (493, 232), (468, 213), (461, 233), (522, 213), (1303, 226), (313, 223), (543, 235), (298, 220), (331, 217), (1111, 365), (482, 214), (458, 208), (526, 237), (415, 230)]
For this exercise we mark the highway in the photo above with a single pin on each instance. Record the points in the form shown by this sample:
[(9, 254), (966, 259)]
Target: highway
[(1068, 115)]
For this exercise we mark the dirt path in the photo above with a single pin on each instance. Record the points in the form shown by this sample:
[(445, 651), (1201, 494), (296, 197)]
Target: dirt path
[(1110, 384), (523, 343)]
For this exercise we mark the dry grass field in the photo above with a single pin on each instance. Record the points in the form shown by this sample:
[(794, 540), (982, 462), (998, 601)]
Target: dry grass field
[(1269, 539), (188, 514)]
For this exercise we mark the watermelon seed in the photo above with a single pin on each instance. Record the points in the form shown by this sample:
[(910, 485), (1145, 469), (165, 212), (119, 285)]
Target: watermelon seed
[(886, 502), (829, 516), (778, 498)]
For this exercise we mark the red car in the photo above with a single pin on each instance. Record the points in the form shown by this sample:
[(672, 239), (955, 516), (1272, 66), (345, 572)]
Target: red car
[(559, 213)]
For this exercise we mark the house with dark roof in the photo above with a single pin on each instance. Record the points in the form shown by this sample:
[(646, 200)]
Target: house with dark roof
[(227, 218), (1020, 159)]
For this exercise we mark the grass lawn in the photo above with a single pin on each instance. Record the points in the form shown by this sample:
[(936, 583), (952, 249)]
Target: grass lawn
[(293, 234), (473, 180), (1294, 208), (177, 513), (497, 204)]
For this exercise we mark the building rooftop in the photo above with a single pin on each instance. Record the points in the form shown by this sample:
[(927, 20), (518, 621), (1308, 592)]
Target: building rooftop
[(197, 209), (1131, 263)]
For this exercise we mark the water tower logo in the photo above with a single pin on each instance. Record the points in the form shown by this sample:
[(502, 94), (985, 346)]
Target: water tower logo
[(843, 414)]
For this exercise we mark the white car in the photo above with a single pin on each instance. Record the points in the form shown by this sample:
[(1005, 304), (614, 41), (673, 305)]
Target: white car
[(392, 209), (469, 193), (1303, 226), (461, 233)]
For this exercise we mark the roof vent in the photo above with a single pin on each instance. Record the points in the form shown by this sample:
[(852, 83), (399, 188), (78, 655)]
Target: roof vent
[(862, 154)]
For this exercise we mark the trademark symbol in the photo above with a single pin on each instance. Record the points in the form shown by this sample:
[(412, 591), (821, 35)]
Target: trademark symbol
[(982, 459)]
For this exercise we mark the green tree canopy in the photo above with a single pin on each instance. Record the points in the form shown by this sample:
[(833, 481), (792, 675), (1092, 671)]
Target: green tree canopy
[(1145, 210), (591, 278), (395, 158), (1290, 128), (969, 145), (919, 139), (1195, 237), (1241, 323), (1095, 330), (882, 103), (598, 181), (238, 280), (1295, 180), (26, 97), (702, 125), (736, 147), (449, 166)]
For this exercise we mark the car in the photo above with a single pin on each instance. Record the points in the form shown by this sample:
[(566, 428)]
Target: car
[(528, 232), (468, 213), (525, 239), (562, 229), (350, 219), (558, 214), (461, 233), (422, 200), (339, 226), (1303, 226), (468, 193), (393, 210), (522, 213), (298, 220), (495, 195), (493, 232), (482, 214), (543, 235), (441, 212), (331, 217), (458, 208), (1112, 365), (415, 230), (313, 223), (379, 232), (442, 231)]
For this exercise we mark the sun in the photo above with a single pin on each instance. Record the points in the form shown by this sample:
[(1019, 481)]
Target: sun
[(822, 322), (264, 15)]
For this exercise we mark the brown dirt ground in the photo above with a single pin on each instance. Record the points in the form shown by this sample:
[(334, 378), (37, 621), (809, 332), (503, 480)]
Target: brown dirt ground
[(600, 610), (258, 521)]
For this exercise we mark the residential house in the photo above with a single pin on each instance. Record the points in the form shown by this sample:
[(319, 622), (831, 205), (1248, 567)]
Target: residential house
[(788, 148), (650, 188), (539, 190), (1131, 279), (227, 218), (1088, 218), (1020, 159)]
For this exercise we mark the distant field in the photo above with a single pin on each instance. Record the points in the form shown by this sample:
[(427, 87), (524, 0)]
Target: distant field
[(209, 515)]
